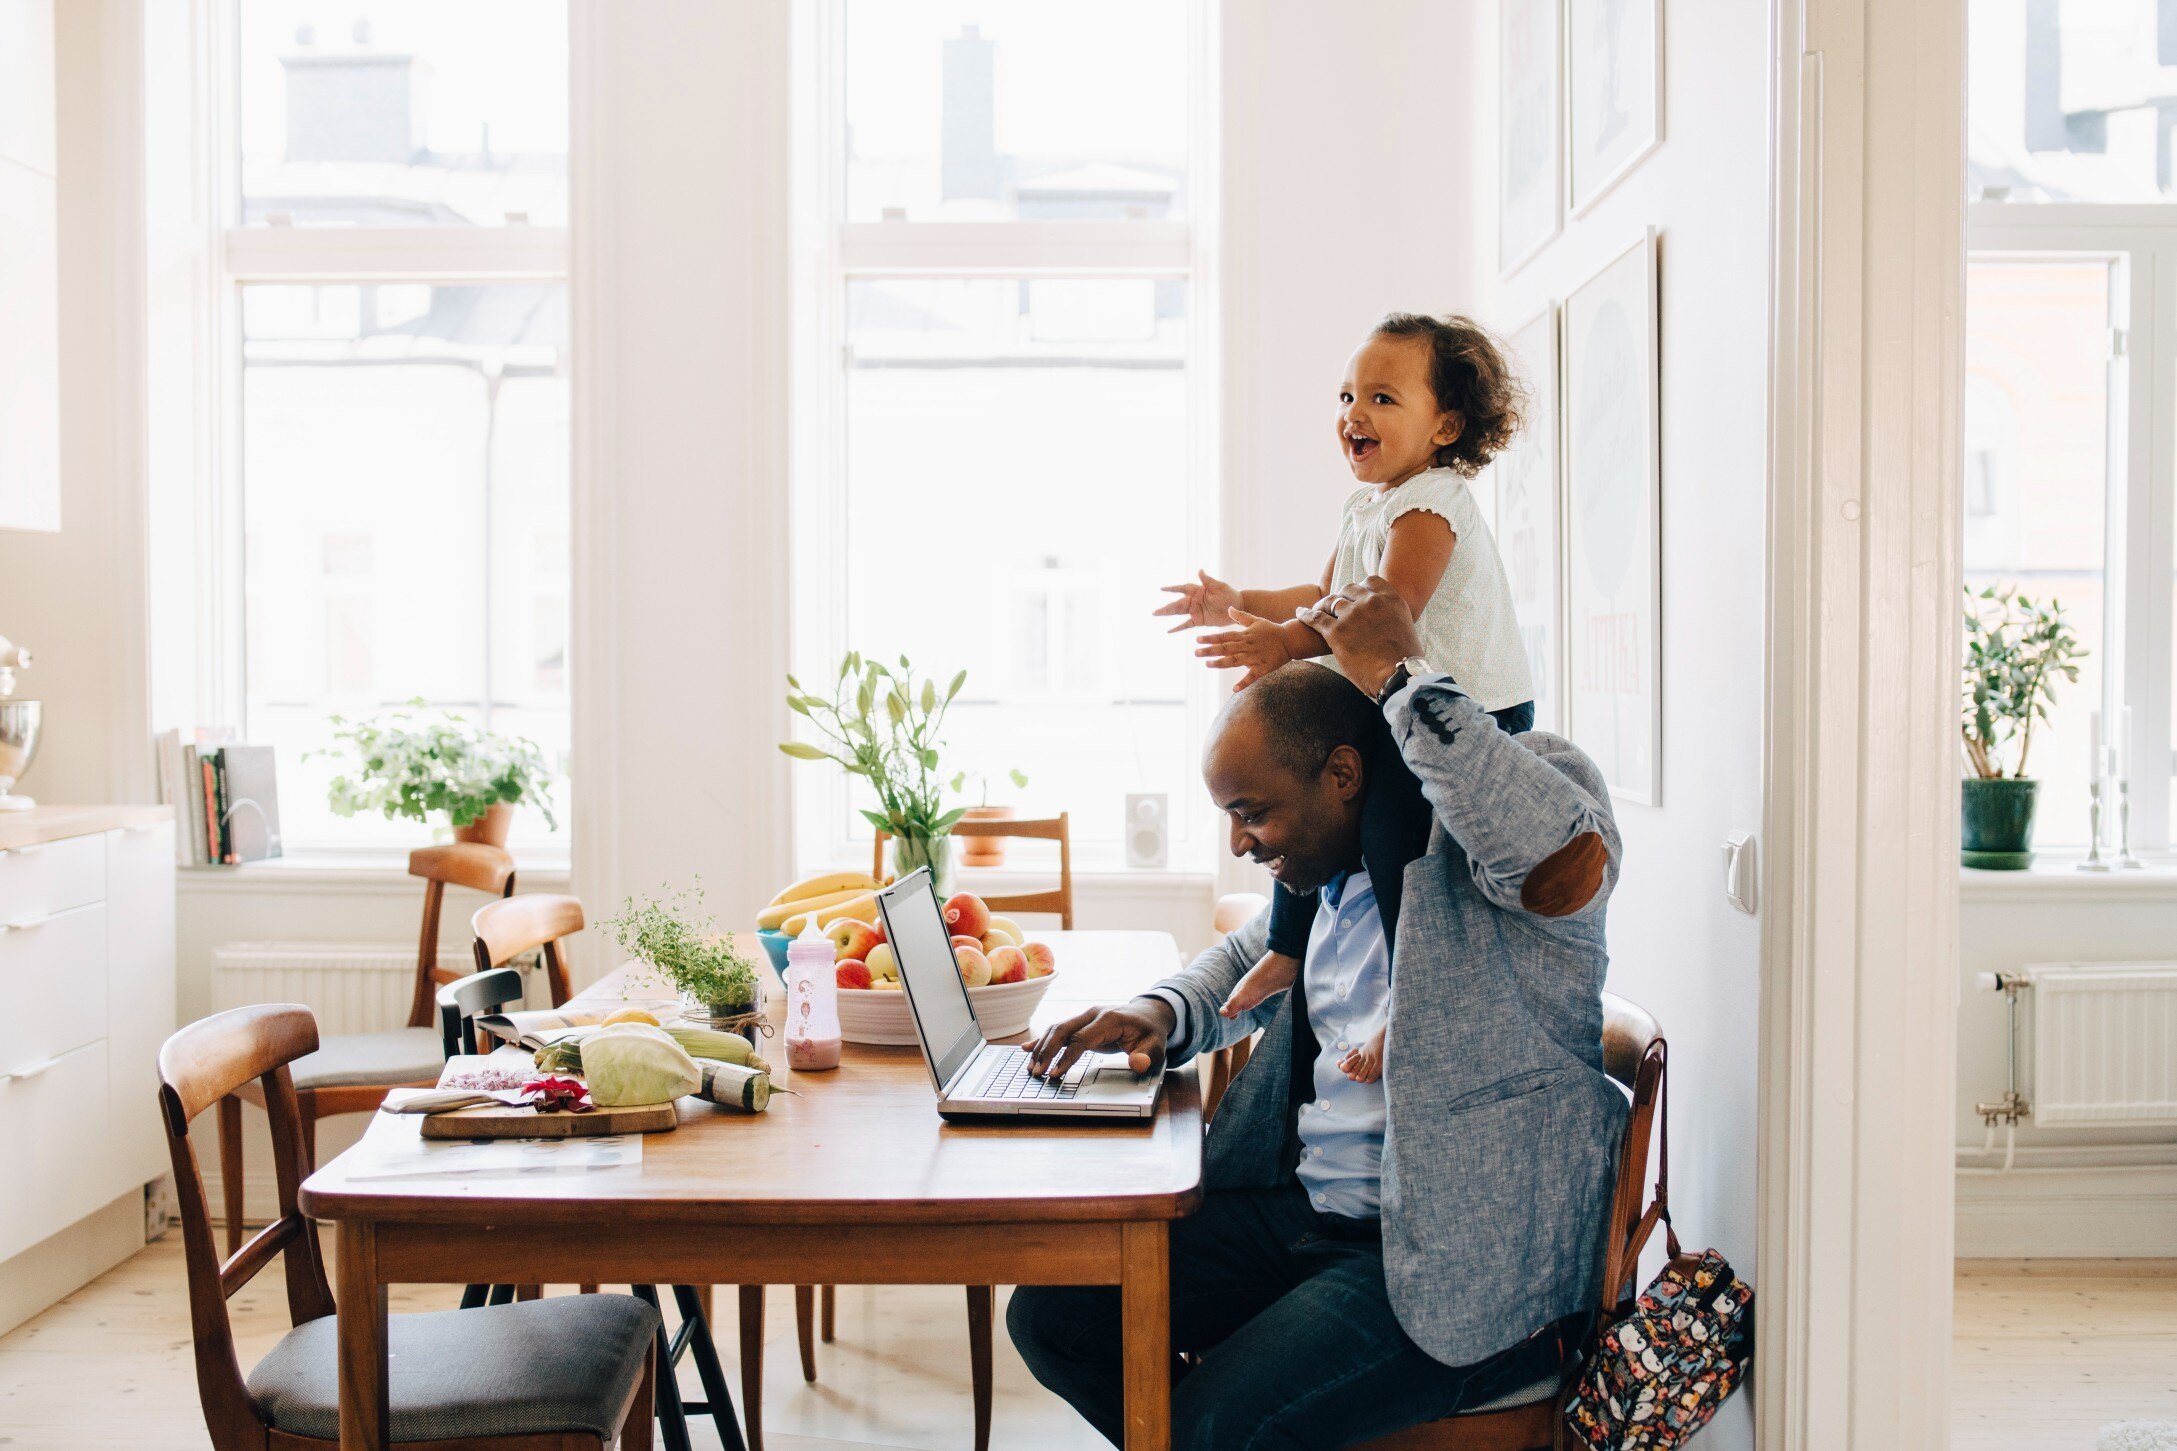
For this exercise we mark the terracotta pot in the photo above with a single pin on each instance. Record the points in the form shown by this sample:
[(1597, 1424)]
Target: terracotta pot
[(491, 828), (984, 851)]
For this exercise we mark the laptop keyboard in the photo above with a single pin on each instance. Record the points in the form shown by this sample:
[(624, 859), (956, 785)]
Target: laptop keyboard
[(1013, 1080)]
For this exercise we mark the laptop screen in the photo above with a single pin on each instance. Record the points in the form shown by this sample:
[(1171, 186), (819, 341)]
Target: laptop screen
[(935, 994)]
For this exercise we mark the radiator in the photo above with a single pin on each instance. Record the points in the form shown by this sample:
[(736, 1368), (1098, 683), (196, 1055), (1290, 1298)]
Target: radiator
[(2104, 1043), (352, 987)]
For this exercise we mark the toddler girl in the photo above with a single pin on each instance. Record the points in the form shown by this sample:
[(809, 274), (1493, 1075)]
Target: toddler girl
[(1425, 404)]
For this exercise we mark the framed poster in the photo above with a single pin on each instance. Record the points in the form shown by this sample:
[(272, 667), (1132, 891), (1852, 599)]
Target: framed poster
[(1613, 576), (1527, 523), (1614, 84), (1530, 165)]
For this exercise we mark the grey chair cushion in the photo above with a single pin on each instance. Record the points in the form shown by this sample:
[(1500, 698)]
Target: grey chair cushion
[(562, 1364), (404, 1055), (1516, 1396)]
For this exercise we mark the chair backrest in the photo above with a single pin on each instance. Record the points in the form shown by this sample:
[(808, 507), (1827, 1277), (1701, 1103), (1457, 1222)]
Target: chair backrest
[(1235, 910), (198, 1066), (539, 922), (462, 1000), (1041, 828), (476, 865), (1635, 1054)]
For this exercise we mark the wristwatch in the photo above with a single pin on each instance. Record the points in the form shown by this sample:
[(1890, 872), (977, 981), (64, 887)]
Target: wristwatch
[(1401, 673)]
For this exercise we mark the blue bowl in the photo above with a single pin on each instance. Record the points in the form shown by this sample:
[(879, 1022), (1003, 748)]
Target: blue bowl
[(774, 947)]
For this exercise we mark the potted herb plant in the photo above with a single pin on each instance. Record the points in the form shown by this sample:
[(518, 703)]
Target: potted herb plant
[(692, 955), (401, 767), (2016, 650), (985, 851), (882, 725)]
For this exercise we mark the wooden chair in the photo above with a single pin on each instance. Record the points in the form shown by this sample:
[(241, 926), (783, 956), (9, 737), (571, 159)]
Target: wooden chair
[(541, 923), (1527, 1418), (1041, 828), (1233, 911), (561, 1374), (353, 1072)]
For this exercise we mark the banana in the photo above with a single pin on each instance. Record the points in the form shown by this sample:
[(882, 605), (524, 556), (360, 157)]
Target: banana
[(824, 884), (862, 907), (778, 912)]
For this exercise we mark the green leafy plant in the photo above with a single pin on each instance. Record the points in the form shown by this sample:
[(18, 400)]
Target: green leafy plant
[(882, 724), (667, 933), (982, 780), (2016, 650), (402, 767)]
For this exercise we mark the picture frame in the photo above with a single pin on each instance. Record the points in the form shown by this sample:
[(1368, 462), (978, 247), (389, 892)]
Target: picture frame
[(1614, 93), (1529, 517), (1613, 523), (1530, 130)]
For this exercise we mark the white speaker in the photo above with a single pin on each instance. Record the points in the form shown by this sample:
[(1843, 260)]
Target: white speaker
[(1148, 829)]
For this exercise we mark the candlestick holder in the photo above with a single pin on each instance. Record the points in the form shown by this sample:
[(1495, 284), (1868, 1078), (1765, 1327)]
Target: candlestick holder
[(2125, 860), (2093, 862)]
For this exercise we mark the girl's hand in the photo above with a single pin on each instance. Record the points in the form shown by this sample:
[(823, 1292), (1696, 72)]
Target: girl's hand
[(1206, 603), (1258, 647)]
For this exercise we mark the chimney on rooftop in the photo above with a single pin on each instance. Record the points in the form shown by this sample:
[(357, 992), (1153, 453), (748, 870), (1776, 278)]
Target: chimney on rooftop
[(353, 105), (968, 165)]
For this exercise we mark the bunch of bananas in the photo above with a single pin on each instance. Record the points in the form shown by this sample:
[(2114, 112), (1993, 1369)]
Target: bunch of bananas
[(826, 897)]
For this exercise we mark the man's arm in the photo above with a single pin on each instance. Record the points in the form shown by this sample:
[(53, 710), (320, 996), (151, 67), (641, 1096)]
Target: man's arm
[(1539, 841)]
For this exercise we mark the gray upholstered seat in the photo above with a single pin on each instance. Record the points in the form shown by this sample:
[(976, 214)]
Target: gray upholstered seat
[(1514, 1397), (562, 1364), (404, 1055)]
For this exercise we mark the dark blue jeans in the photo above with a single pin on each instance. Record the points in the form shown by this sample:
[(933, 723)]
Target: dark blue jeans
[(1288, 1312)]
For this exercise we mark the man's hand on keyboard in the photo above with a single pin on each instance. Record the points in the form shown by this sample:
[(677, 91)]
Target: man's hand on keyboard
[(1139, 1030)]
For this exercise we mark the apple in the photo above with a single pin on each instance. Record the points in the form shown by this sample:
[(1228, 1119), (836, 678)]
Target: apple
[(851, 938), (891, 984), (994, 939), (883, 966), (959, 942), (966, 915), (877, 927), (1042, 962), (974, 967), (1006, 928), (852, 973), (1008, 964)]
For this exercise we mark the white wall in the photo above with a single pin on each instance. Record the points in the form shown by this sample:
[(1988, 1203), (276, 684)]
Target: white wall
[(1677, 947)]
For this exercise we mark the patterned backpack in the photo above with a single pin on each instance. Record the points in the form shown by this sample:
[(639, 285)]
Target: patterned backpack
[(1657, 1368)]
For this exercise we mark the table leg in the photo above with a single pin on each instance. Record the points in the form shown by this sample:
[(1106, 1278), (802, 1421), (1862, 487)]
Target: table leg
[(362, 1311), (1145, 1304)]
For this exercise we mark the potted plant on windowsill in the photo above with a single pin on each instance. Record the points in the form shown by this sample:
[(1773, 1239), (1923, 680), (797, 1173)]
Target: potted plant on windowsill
[(985, 851), (688, 951), (402, 768), (881, 724), (2015, 653)]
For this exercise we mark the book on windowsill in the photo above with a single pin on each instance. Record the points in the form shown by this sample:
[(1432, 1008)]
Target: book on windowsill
[(224, 795)]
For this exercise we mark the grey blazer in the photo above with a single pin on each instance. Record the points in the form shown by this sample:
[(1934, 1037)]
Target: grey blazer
[(1502, 1129)]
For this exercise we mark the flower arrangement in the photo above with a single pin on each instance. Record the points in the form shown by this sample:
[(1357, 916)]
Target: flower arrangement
[(403, 768), (696, 959), (2015, 653)]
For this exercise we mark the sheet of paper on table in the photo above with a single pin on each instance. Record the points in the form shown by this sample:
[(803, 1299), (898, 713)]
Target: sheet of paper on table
[(400, 1156)]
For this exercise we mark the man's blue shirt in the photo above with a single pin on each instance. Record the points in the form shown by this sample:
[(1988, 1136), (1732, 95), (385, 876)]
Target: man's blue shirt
[(1347, 978)]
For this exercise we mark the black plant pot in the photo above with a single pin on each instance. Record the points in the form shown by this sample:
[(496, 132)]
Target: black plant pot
[(1996, 820)]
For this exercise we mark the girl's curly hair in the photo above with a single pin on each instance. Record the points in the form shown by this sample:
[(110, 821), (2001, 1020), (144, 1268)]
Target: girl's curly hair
[(1470, 376)]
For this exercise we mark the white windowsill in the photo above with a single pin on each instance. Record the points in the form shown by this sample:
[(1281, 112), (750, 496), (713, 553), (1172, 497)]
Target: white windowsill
[(2055, 876), (331, 871)]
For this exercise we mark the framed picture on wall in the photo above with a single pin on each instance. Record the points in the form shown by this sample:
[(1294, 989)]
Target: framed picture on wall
[(1528, 516), (1530, 155), (1613, 488), (1614, 81)]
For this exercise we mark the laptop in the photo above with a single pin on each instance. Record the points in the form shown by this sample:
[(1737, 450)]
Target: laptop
[(974, 1076)]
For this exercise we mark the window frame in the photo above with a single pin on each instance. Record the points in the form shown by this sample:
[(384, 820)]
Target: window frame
[(829, 253), (238, 256), (2140, 542)]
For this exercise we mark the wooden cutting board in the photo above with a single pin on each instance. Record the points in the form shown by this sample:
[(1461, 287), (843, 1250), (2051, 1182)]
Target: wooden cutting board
[(500, 1121)]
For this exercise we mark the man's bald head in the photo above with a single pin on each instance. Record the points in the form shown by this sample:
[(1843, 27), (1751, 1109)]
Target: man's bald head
[(1286, 762), (1301, 712)]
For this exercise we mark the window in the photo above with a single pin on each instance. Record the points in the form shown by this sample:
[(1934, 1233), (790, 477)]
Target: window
[(394, 483), (2072, 101), (1003, 429)]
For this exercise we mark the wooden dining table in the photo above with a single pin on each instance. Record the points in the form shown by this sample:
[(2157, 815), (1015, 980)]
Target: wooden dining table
[(850, 1178)]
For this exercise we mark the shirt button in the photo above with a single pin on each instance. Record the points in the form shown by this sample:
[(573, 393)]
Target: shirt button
[(1339, 1044), (1322, 1103), (1347, 923), (1319, 1197)]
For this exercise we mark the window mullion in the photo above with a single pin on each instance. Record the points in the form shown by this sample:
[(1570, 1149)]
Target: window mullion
[(2149, 596)]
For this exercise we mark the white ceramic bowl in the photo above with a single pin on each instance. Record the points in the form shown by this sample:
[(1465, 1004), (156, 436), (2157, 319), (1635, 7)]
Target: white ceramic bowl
[(881, 1015)]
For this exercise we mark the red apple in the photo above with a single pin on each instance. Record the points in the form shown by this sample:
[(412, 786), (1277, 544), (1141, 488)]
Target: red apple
[(851, 938), (1008, 964), (966, 916), (974, 967), (852, 974), (960, 942), (1042, 962)]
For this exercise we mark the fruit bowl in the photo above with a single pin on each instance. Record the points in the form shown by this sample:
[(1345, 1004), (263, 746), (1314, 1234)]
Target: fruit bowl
[(881, 1015)]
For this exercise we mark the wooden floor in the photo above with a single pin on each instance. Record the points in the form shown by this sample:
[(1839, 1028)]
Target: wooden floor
[(2047, 1352)]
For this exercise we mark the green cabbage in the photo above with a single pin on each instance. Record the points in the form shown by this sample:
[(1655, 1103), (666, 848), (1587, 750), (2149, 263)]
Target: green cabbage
[(627, 1064)]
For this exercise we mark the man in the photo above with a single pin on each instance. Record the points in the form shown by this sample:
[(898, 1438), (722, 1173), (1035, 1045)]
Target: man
[(1370, 1256)]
